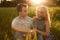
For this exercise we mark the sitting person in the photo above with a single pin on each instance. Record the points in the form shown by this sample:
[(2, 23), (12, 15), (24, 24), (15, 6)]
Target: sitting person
[(42, 22)]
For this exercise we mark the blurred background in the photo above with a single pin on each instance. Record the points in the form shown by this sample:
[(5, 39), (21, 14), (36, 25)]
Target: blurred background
[(8, 12)]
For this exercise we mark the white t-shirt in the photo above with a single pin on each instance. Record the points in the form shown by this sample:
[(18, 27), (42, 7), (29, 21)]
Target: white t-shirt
[(27, 22)]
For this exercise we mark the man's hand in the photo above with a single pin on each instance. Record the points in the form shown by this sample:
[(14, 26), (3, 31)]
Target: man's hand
[(32, 31)]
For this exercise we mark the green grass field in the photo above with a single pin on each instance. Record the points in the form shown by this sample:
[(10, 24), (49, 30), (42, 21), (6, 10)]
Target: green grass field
[(7, 15)]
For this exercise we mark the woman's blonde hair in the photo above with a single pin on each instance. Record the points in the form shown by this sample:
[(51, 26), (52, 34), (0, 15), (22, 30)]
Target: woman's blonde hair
[(47, 16)]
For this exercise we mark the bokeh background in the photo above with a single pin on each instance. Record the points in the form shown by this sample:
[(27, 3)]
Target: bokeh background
[(8, 12)]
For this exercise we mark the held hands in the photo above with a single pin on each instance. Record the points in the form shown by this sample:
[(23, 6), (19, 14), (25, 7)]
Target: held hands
[(32, 31), (31, 35)]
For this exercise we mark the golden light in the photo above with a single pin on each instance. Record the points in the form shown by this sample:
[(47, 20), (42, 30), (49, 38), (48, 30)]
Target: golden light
[(37, 2)]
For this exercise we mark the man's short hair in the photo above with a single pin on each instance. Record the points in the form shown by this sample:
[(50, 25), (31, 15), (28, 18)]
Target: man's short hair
[(19, 6)]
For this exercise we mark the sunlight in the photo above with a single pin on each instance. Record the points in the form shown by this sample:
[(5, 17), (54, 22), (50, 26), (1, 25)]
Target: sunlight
[(37, 2), (8, 0)]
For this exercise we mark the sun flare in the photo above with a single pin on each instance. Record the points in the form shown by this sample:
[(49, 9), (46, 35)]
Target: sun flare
[(36, 2)]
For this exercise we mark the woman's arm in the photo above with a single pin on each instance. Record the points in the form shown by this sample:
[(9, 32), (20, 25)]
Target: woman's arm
[(47, 29)]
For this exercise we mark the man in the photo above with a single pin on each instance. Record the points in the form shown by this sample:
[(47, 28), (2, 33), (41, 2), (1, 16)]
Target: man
[(22, 23)]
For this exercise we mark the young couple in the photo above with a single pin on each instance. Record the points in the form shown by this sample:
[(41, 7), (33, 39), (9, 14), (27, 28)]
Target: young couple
[(40, 23)]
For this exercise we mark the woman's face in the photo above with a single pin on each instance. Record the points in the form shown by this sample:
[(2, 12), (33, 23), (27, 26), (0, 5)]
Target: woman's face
[(41, 12)]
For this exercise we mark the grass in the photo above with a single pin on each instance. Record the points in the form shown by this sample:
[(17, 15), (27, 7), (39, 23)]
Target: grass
[(7, 15)]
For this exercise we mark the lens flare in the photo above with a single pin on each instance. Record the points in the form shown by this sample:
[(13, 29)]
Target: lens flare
[(37, 2)]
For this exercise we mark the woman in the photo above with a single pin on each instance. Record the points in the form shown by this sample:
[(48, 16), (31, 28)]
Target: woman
[(42, 22)]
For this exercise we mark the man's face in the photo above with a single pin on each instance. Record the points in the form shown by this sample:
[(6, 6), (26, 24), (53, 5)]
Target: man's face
[(24, 11)]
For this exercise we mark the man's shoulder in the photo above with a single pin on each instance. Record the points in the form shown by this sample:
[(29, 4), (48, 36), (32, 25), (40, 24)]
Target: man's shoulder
[(29, 17), (15, 19)]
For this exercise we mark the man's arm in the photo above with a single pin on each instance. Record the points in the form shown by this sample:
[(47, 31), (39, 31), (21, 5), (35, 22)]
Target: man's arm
[(20, 28)]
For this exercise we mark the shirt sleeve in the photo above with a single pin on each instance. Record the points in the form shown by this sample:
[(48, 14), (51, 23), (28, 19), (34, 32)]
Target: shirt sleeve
[(15, 22)]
